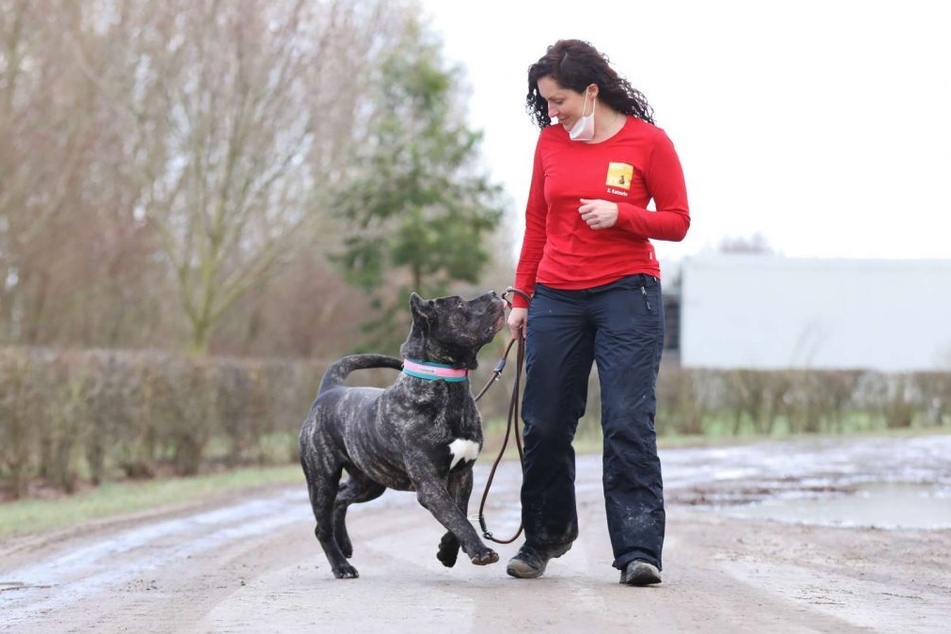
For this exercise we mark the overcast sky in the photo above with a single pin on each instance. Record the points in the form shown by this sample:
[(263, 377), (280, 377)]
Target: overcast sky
[(824, 125)]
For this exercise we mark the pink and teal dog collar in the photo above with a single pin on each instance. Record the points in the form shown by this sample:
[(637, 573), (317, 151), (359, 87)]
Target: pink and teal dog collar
[(434, 371)]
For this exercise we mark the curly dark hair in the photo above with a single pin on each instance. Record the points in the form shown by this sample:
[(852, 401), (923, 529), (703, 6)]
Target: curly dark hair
[(575, 65)]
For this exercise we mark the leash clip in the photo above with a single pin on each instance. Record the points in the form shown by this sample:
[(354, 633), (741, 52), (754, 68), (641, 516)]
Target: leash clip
[(485, 529), (499, 367)]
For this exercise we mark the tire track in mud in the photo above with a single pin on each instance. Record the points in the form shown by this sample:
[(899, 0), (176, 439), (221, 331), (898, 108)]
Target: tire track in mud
[(104, 565)]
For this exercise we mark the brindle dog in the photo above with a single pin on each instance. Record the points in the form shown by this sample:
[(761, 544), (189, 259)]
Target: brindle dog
[(422, 434)]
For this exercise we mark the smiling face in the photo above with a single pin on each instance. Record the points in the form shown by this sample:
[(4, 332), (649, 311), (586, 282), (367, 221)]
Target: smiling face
[(565, 104)]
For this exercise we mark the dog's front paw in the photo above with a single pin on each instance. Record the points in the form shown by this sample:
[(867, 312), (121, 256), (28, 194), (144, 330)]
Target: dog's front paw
[(486, 557), (345, 571), (448, 550)]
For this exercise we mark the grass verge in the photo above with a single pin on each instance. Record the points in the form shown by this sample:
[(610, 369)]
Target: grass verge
[(115, 499)]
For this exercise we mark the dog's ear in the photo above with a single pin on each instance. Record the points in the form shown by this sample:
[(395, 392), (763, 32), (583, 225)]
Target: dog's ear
[(422, 310), (416, 302)]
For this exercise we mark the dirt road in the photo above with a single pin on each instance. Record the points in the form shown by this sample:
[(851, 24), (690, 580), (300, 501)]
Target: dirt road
[(253, 565)]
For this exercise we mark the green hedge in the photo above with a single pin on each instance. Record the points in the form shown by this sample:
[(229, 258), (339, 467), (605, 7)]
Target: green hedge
[(71, 418), (68, 417), (759, 402)]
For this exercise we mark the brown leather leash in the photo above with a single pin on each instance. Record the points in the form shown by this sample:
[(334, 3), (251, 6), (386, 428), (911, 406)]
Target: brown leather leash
[(511, 428)]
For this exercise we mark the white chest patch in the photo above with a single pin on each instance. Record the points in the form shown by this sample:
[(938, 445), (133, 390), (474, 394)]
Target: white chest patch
[(463, 450)]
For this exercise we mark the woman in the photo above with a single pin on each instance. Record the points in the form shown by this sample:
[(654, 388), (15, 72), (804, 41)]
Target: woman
[(589, 266)]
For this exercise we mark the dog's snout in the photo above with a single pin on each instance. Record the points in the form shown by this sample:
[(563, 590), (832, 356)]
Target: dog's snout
[(492, 299)]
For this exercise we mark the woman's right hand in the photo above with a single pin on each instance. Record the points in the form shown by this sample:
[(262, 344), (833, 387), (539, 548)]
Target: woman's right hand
[(518, 317)]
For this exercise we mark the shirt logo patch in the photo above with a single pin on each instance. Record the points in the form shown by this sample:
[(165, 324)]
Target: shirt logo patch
[(620, 175)]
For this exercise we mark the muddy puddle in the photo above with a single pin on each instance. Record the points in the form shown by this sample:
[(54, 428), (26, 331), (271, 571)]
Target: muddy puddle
[(884, 505), (874, 482)]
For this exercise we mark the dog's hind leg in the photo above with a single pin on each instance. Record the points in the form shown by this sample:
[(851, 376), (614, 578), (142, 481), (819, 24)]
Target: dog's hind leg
[(448, 550), (358, 488), (323, 479)]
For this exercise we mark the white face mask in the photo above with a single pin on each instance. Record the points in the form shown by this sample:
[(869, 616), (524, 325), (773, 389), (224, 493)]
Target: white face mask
[(583, 129)]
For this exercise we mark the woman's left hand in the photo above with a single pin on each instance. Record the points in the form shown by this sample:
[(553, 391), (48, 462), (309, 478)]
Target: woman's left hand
[(599, 214)]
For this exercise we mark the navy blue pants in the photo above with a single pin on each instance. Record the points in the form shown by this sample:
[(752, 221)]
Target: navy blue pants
[(621, 327)]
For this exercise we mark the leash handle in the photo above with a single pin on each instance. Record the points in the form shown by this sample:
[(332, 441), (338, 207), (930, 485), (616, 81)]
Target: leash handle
[(511, 290)]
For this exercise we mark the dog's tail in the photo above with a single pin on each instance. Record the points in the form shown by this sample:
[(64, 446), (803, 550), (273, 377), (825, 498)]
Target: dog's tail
[(337, 373)]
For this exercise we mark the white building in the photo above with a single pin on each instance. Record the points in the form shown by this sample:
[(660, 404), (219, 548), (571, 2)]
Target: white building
[(770, 312)]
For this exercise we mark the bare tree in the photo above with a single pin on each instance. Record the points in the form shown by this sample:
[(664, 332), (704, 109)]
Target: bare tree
[(238, 110), (59, 229), (160, 161)]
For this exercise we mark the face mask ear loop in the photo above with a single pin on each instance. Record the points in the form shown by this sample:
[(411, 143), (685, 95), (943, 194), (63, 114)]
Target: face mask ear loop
[(580, 125)]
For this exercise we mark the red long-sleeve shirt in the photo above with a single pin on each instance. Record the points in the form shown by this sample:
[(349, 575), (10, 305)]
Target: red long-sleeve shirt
[(635, 165)]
